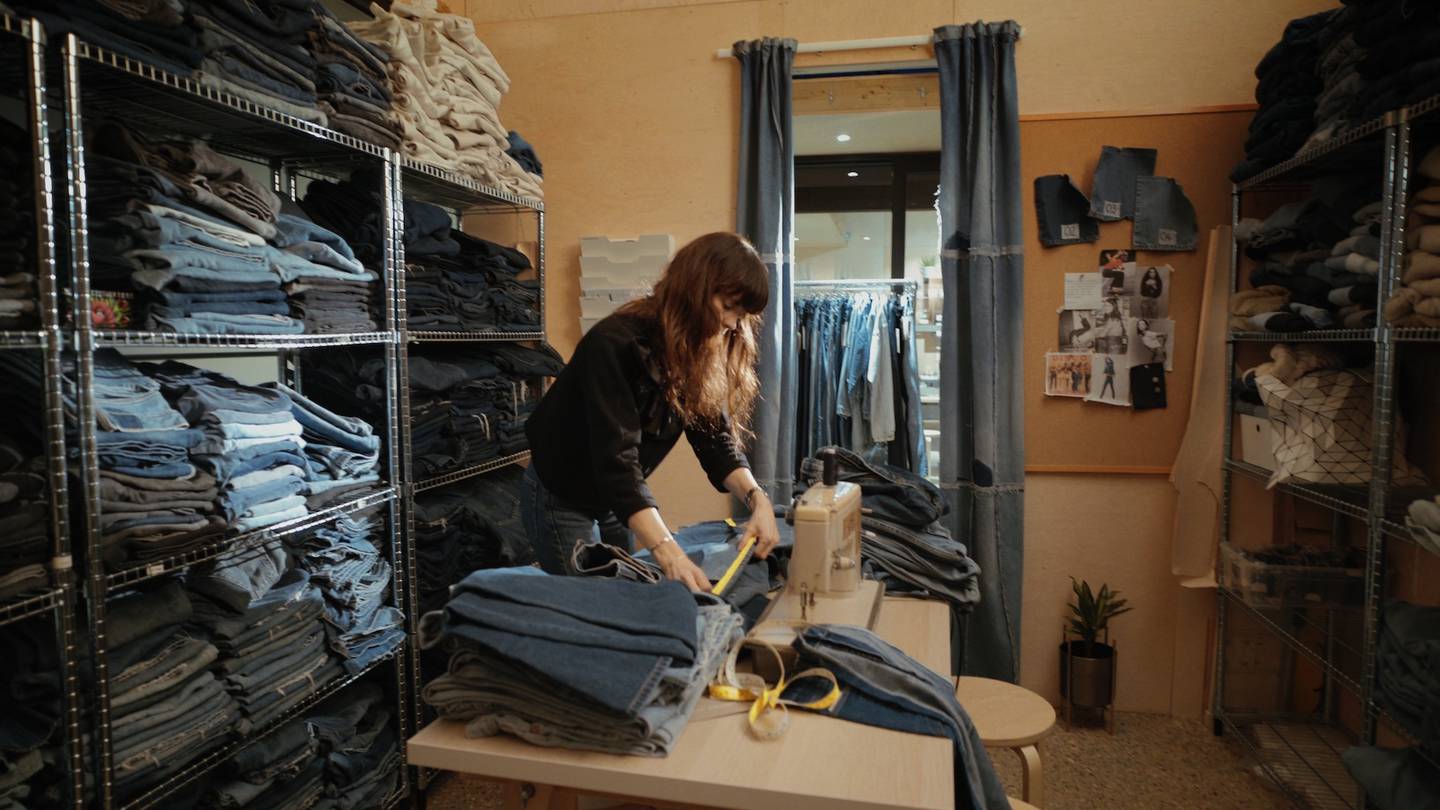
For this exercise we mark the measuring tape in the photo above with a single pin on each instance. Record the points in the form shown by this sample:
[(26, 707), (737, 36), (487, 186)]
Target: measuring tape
[(763, 720)]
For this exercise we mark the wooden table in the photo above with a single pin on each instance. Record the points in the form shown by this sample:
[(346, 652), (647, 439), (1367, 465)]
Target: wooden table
[(821, 762)]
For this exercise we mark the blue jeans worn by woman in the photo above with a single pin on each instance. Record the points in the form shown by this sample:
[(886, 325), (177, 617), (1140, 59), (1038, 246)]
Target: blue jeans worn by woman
[(554, 526)]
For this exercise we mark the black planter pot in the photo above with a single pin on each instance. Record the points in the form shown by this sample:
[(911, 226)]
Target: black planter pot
[(1094, 674)]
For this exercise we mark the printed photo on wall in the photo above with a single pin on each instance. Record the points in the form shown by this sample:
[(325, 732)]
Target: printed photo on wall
[(1110, 380), (1151, 340), (1111, 336), (1077, 330), (1148, 288), (1067, 374), (1113, 264)]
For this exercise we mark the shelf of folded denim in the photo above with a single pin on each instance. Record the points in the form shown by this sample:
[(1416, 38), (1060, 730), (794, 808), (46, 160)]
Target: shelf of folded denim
[(1314, 335), (241, 342), (460, 529), (1359, 148), (186, 776), (629, 689), (147, 94), (458, 282), (433, 184), (1307, 629), (199, 247), (26, 530), (34, 604), (487, 336), (471, 472), (1301, 757), (32, 714)]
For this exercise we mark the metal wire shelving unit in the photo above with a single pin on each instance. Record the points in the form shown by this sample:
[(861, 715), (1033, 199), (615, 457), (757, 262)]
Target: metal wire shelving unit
[(96, 84), (463, 198), (1301, 754)]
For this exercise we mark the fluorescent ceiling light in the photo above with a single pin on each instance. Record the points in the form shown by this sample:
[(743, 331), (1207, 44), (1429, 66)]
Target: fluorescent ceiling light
[(843, 137), (866, 238), (852, 174)]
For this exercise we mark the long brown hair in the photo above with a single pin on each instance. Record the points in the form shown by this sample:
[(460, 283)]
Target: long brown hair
[(709, 372)]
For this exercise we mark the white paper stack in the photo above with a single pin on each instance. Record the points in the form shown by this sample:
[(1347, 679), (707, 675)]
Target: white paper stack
[(613, 271)]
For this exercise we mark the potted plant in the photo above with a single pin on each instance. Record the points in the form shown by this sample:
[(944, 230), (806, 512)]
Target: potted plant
[(1086, 646)]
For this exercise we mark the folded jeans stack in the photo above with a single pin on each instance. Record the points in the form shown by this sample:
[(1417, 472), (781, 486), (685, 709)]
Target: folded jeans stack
[(1287, 89), (352, 208), (344, 562), (259, 50), (1400, 62), (167, 707), (155, 31), (904, 544), (475, 287), (1317, 265), (18, 294), (283, 772), (1343, 91), (24, 522), (360, 748), (531, 661), (341, 452), (1408, 661), (459, 402), (31, 763), (465, 527), (250, 443), (1416, 302), (273, 654), (329, 288), (446, 86), (351, 82)]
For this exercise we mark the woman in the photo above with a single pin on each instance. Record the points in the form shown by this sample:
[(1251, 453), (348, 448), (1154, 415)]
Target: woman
[(1151, 288), (680, 359)]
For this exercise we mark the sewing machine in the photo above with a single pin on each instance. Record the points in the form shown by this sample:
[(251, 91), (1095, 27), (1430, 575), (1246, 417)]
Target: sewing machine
[(823, 585)]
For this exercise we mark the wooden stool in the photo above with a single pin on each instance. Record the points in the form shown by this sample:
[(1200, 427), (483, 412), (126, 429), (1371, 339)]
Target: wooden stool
[(1010, 716)]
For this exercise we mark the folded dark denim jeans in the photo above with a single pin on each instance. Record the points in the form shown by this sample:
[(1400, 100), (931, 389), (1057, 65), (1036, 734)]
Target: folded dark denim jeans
[(1113, 195), (1063, 212), (1164, 216), (889, 492)]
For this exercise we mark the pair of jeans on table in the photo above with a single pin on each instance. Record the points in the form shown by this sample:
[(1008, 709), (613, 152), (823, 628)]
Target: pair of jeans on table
[(551, 625), (926, 563), (1063, 212), (888, 492), (493, 695), (882, 686)]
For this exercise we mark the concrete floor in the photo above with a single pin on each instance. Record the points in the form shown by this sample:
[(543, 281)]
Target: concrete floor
[(1152, 763)]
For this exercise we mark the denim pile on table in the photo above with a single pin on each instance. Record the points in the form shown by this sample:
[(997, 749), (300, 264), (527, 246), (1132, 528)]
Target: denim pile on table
[(32, 765), (1408, 661), (1316, 262), (18, 294), (446, 86), (24, 518), (155, 31), (465, 527), (1404, 779), (274, 651), (168, 708), (1416, 301), (207, 248), (882, 686), (1287, 90), (859, 383), (344, 561), (357, 735), (283, 772), (154, 501), (903, 542), (456, 282), (588, 663)]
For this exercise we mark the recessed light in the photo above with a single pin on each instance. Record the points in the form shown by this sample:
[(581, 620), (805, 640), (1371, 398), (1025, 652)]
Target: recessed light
[(866, 238), (843, 138), (852, 174)]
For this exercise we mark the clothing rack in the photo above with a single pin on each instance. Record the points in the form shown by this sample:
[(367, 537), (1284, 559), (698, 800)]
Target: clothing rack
[(909, 286)]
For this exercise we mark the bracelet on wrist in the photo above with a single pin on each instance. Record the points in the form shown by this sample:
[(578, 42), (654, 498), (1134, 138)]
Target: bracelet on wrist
[(750, 497)]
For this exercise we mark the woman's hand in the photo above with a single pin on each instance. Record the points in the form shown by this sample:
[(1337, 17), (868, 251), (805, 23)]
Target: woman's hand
[(762, 526), (677, 566)]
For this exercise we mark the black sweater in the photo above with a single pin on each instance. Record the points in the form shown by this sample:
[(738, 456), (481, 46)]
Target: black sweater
[(605, 424)]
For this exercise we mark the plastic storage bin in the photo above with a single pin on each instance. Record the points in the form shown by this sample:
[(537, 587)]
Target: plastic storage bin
[(1267, 585)]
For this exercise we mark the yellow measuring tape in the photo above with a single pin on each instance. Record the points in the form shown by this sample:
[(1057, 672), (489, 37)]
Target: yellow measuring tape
[(764, 722)]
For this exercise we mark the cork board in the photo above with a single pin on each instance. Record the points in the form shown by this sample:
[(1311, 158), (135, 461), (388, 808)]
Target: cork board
[(1198, 150)]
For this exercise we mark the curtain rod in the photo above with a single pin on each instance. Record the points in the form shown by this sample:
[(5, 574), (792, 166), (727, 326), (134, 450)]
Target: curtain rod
[(851, 45)]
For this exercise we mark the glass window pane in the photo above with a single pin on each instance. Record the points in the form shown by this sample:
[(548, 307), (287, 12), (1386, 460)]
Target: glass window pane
[(852, 244)]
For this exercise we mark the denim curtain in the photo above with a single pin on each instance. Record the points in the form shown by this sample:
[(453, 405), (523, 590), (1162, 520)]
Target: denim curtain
[(982, 448), (765, 214)]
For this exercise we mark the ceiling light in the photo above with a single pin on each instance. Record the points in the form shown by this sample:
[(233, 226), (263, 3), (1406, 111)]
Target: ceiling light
[(866, 238), (852, 174), (843, 137)]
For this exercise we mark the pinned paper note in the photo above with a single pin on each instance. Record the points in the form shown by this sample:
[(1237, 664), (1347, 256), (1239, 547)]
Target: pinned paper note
[(1083, 290)]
